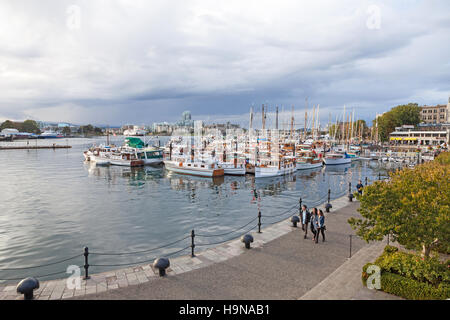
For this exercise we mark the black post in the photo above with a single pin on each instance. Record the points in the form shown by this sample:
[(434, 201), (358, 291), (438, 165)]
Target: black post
[(329, 195), (192, 243), (299, 206), (86, 264), (350, 246), (366, 181), (379, 175), (349, 187), (259, 222)]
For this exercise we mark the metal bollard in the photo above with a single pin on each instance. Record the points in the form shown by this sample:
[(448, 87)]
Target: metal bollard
[(379, 175), (329, 195), (192, 243), (247, 239), (350, 194), (86, 263), (26, 287), (366, 181), (300, 205), (350, 246), (259, 222), (295, 220)]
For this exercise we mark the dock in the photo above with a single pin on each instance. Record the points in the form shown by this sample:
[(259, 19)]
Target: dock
[(34, 147)]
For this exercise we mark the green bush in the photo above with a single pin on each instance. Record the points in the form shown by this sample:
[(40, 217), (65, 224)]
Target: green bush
[(409, 276), (429, 270), (390, 249), (413, 289)]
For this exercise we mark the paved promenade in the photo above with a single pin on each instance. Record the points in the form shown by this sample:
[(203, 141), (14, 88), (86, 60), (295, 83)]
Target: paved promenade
[(280, 265)]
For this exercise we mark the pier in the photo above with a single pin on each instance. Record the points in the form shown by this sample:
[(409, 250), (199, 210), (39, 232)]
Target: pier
[(29, 147)]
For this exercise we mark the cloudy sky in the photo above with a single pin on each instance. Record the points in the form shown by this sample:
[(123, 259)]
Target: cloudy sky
[(132, 61)]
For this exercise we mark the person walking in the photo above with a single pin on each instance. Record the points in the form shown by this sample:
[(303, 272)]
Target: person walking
[(359, 187), (320, 226), (313, 223), (305, 216)]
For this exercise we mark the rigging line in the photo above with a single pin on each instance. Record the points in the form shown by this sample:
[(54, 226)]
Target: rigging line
[(43, 265), (135, 252)]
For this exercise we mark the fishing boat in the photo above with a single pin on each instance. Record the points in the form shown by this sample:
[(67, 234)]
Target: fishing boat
[(98, 155), (337, 158), (124, 157), (150, 155)]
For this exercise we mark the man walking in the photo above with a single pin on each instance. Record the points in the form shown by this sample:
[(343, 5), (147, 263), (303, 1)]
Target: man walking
[(359, 187), (305, 216)]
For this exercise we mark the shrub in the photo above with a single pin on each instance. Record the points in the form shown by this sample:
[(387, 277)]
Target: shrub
[(429, 270), (412, 289), (411, 277)]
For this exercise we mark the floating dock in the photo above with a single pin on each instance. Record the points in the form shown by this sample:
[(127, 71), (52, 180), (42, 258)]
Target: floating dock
[(34, 147)]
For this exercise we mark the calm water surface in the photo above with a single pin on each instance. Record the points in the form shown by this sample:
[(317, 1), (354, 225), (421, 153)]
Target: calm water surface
[(52, 204)]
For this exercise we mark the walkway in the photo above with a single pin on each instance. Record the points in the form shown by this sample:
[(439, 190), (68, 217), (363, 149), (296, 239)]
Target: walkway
[(277, 267)]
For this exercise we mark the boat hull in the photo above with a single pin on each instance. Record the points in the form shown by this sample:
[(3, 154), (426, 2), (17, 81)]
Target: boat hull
[(127, 163), (234, 171), (264, 172), (306, 166), (329, 162), (201, 172)]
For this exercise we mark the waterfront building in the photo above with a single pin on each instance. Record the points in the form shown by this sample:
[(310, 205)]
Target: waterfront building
[(435, 114), (420, 136)]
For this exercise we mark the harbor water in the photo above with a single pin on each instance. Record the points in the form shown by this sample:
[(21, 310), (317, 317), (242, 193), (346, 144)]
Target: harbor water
[(53, 204)]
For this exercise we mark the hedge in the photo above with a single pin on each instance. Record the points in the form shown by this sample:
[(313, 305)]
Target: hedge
[(407, 287)]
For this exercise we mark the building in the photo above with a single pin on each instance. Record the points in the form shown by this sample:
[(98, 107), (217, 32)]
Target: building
[(435, 114), (425, 136)]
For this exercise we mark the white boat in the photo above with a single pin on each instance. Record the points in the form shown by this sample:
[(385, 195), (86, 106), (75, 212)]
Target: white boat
[(336, 158), (304, 163), (264, 170), (124, 157), (230, 169), (194, 168)]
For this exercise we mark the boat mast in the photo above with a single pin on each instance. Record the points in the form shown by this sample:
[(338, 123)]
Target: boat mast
[(292, 122), (306, 118), (276, 119)]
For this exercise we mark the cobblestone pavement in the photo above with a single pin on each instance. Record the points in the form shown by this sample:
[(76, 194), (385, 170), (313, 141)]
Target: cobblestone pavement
[(280, 265)]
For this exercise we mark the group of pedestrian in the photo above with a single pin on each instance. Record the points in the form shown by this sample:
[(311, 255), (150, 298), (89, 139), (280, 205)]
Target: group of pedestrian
[(315, 221)]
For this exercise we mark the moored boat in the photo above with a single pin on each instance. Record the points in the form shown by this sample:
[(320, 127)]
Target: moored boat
[(194, 168), (336, 158)]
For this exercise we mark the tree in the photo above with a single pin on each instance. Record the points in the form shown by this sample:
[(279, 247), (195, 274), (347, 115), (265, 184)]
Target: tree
[(66, 131), (400, 115), (8, 124), (413, 207), (30, 126)]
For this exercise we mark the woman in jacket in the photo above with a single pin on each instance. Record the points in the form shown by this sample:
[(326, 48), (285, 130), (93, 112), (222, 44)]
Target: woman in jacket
[(320, 226), (313, 223)]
